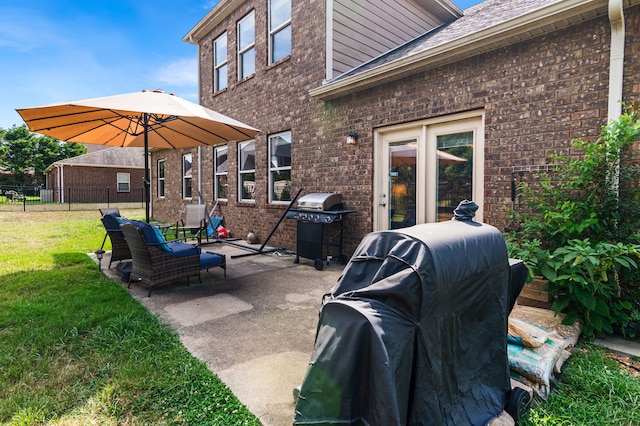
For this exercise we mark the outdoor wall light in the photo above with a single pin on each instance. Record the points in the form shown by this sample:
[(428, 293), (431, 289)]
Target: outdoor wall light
[(352, 138), (99, 255)]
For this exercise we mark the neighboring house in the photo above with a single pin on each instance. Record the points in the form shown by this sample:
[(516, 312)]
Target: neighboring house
[(113, 174), (446, 105)]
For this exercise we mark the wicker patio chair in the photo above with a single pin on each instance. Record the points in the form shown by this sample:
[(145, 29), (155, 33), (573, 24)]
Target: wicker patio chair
[(119, 247), (156, 261)]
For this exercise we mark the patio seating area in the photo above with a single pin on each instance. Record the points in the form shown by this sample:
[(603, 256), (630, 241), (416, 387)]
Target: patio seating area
[(156, 261)]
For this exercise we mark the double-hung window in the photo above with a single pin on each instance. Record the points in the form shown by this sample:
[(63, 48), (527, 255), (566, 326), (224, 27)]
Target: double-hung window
[(279, 29), (220, 63), (124, 182), (160, 178), (280, 167), (247, 170), (221, 172), (187, 169), (246, 46)]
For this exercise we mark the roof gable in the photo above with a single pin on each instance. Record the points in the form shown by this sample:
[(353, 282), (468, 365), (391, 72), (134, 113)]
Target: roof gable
[(112, 157)]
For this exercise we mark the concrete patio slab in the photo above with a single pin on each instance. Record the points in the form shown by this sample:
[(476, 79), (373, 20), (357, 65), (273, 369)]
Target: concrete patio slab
[(255, 329), (198, 311)]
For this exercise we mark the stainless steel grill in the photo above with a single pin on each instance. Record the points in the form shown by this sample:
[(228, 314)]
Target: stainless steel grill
[(313, 212), (320, 201)]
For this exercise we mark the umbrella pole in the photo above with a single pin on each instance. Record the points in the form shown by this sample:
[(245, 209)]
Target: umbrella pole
[(147, 180)]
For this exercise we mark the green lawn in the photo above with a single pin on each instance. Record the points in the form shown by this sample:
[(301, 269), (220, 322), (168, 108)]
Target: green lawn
[(76, 349)]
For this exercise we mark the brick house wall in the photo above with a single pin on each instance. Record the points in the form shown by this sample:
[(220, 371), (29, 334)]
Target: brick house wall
[(93, 184), (275, 99), (537, 96)]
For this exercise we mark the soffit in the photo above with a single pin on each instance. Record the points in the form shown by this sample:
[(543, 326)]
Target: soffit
[(212, 19)]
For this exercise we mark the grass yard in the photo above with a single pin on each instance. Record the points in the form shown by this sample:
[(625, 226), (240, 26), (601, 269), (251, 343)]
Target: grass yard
[(76, 349)]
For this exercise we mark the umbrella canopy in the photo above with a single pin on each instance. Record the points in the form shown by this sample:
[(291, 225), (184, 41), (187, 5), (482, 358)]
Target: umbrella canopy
[(143, 119), (406, 155)]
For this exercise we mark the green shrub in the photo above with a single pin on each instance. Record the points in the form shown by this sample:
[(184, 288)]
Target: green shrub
[(580, 228)]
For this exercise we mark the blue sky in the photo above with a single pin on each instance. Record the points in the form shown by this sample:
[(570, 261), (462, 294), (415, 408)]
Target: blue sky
[(63, 50)]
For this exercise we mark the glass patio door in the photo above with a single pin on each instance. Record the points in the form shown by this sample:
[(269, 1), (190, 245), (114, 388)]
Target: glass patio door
[(402, 184), (423, 172)]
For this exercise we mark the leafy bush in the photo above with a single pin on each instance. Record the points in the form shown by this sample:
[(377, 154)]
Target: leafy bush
[(580, 228)]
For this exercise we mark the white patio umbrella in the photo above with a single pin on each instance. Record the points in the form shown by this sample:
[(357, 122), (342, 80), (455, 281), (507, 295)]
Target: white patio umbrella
[(150, 118)]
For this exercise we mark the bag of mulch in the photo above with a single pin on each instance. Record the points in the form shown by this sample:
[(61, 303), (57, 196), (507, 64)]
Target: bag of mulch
[(524, 333), (536, 364)]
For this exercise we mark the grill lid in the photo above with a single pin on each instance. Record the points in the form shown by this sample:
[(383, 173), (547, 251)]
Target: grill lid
[(320, 201)]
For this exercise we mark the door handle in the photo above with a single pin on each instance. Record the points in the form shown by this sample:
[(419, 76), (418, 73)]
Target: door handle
[(383, 199)]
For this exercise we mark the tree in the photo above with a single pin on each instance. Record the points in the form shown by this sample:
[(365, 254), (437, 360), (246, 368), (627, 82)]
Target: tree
[(26, 154)]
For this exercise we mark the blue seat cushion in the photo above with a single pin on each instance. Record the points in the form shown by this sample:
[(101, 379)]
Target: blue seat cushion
[(209, 260), (181, 249)]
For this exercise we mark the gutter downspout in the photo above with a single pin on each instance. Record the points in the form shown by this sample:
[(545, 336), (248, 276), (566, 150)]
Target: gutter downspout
[(616, 74), (616, 59)]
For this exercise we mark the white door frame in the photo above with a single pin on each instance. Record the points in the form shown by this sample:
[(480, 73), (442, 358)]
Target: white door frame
[(425, 133)]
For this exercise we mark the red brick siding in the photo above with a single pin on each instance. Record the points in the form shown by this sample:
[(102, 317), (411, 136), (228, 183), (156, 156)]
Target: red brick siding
[(88, 182), (537, 96)]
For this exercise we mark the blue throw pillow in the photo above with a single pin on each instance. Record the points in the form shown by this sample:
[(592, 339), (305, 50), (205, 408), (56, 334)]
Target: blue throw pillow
[(160, 237)]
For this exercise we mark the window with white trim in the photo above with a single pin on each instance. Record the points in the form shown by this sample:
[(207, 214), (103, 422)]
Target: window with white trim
[(280, 167), (160, 178), (220, 63), (247, 171), (221, 173), (246, 46), (187, 170), (279, 29), (124, 182)]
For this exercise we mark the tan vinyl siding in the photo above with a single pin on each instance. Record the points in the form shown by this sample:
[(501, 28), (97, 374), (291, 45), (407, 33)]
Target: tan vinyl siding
[(363, 29)]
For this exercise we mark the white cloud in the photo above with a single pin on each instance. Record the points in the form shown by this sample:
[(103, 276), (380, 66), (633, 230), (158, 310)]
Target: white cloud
[(180, 73)]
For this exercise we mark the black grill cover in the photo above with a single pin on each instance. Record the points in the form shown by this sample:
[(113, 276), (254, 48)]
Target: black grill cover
[(414, 332)]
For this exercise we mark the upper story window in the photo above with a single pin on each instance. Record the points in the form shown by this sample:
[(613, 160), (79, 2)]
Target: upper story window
[(160, 178), (279, 29), (247, 170), (221, 172), (124, 182), (246, 46), (187, 169), (280, 167), (220, 63)]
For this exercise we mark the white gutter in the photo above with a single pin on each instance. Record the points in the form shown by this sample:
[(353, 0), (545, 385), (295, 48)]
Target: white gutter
[(616, 58)]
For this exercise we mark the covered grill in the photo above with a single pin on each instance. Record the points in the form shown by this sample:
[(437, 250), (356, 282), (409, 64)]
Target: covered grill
[(314, 211), (414, 332)]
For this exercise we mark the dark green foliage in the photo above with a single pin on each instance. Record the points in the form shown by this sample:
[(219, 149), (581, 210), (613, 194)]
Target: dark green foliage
[(26, 155), (580, 230)]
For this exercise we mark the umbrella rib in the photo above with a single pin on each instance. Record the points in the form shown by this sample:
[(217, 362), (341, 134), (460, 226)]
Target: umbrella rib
[(214, 134)]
